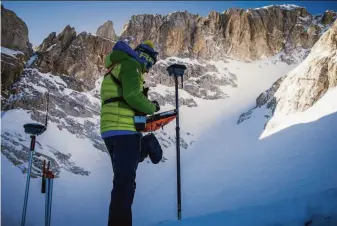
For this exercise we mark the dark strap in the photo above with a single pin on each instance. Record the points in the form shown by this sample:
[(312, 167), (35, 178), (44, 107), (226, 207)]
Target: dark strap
[(113, 99), (118, 99), (112, 76), (114, 79)]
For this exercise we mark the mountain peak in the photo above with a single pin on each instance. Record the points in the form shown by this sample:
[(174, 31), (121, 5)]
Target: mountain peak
[(107, 31)]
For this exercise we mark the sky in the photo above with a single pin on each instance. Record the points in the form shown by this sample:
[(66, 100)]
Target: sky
[(42, 18)]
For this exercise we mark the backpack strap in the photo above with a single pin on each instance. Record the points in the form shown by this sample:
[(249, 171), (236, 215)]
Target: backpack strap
[(113, 99), (112, 76), (118, 99)]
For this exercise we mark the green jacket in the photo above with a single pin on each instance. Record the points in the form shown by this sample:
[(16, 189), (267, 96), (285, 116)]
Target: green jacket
[(119, 115)]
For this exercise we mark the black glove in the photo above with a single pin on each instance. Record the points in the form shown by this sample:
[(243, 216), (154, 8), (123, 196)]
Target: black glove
[(145, 91), (157, 105)]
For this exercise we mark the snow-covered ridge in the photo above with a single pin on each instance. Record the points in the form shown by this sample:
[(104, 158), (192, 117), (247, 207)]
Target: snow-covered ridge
[(324, 106), (283, 6), (10, 52), (291, 98)]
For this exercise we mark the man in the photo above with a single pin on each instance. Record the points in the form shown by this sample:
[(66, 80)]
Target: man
[(124, 107)]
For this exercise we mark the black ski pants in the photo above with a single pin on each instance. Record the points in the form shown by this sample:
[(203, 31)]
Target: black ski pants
[(125, 153)]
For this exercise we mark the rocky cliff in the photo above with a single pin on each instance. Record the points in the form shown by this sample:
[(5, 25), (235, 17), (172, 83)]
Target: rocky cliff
[(15, 49), (14, 32), (107, 31), (312, 78), (306, 84), (12, 64), (82, 57), (78, 55), (236, 33)]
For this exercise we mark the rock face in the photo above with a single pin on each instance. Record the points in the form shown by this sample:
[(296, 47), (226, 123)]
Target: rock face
[(328, 17), (237, 33), (268, 94), (15, 49), (80, 56), (107, 31), (11, 69), (308, 82), (267, 97), (312, 78), (201, 79), (14, 32)]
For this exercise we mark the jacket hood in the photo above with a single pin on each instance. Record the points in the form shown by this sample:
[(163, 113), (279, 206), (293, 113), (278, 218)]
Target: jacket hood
[(122, 51)]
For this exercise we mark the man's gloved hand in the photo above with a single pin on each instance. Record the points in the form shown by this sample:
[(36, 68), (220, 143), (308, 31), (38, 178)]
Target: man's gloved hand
[(157, 105)]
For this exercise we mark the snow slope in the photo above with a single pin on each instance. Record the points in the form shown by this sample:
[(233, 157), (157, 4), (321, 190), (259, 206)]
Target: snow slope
[(155, 183), (315, 210), (227, 169), (289, 178), (232, 168)]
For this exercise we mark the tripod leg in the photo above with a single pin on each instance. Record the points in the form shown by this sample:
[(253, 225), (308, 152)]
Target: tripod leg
[(47, 203), (31, 154), (50, 200)]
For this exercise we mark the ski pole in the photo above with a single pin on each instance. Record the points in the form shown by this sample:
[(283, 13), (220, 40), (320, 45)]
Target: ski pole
[(177, 70)]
